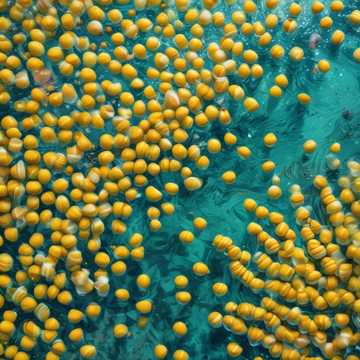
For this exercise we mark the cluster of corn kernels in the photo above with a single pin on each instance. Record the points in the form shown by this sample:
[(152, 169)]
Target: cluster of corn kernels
[(106, 109), (310, 287)]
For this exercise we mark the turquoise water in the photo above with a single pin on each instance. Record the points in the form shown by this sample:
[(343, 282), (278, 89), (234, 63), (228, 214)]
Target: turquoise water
[(332, 116), (222, 206)]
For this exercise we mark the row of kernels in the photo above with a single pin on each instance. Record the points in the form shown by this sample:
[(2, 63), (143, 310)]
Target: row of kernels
[(274, 269)]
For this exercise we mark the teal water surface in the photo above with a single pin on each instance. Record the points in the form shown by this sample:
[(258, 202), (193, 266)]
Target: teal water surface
[(332, 116)]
